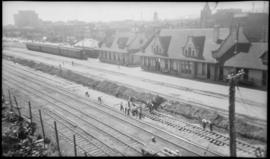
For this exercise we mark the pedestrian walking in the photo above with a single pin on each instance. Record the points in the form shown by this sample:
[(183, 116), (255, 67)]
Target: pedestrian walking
[(125, 110), (72, 63), (204, 121)]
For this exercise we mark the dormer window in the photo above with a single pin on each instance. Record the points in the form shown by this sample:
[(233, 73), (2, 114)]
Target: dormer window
[(189, 51)]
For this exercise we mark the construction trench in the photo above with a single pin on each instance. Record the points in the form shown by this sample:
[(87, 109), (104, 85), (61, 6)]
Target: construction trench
[(244, 129)]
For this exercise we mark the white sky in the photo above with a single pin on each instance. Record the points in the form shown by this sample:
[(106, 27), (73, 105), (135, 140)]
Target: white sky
[(111, 11)]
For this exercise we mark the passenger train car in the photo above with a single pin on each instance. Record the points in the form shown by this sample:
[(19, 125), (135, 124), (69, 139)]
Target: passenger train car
[(79, 53)]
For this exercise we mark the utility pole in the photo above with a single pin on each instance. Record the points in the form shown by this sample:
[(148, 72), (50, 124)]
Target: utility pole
[(232, 82)]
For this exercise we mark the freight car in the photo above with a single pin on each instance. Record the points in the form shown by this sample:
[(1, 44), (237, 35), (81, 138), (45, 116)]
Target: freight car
[(57, 50)]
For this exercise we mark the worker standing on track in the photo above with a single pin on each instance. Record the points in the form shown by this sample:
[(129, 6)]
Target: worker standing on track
[(125, 110), (204, 121), (87, 94), (153, 139), (121, 107), (99, 100), (140, 113), (210, 125), (128, 110)]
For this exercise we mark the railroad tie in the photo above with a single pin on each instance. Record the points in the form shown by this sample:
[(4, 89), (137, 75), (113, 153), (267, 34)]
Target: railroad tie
[(95, 152), (222, 144), (212, 140), (217, 142)]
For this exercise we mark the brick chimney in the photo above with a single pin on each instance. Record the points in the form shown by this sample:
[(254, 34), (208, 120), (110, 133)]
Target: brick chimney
[(216, 33)]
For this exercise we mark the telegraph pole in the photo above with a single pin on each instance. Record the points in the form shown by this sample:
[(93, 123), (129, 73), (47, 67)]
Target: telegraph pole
[(232, 82)]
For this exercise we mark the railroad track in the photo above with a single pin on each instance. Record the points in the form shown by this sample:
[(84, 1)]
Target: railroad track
[(218, 95), (51, 125), (89, 124), (194, 146), (212, 137), (91, 145)]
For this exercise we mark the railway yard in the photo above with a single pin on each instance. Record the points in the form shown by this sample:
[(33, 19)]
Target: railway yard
[(103, 130)]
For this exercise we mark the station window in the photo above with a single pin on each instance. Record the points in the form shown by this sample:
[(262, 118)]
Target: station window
[(193, 53)]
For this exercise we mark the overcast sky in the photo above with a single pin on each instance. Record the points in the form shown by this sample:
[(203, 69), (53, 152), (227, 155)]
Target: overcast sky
[(111, 11)]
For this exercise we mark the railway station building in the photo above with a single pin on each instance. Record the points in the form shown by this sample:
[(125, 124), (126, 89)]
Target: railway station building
[(239, 51), (124, 45), (184, 52)]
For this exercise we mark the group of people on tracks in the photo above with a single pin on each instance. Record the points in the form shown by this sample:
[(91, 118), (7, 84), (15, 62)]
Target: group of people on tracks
[(99, 98), (207, 122), (131, 109), (63, 63)]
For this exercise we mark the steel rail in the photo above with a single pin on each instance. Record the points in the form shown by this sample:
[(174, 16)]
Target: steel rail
[(173, 143)]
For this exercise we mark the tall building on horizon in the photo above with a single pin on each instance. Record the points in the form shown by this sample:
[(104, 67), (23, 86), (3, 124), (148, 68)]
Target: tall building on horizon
[(26, 18)]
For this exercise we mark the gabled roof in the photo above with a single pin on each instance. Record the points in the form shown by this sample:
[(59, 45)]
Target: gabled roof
[(198, 41), (122, 42), (179, 38), (137, 42), (165, 42), (251, 59), (150, 39), (122, 38), (230, 42)]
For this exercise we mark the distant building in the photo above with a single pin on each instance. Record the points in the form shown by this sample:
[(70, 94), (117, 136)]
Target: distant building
[(26, 18), (224, 17), (206, 17), (155, 17), (255, 25)]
